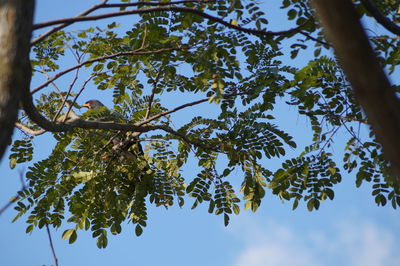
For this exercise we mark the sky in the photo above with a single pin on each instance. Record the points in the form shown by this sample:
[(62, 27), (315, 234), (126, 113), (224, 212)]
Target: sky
[(350, 230)]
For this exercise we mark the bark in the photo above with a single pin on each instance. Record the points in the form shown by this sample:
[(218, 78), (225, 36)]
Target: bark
[(371, 86), (16, 17)]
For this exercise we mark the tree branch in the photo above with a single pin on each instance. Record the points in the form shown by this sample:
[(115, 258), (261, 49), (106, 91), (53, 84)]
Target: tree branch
[(29, 130), (16, 197), (380, 18), (103, 5), (153, 92), (59, 27), (76, 122), (371, 86), (160, 3), (154, 117), (314, 39), (51, 245), (171, 9), (76, 97), (136, 52)]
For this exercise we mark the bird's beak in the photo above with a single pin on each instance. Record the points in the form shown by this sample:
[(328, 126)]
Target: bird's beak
[(86, 105)]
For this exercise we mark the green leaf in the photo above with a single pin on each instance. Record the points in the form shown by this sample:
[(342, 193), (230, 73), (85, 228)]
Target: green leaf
[(138, 230), (226, 219), (13, 162), (236, 209), (295, 204), (73, 237), (29, 228), (67, 234), (310, 204)]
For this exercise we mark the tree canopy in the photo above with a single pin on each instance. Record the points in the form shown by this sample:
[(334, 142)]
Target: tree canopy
[(222, 53)]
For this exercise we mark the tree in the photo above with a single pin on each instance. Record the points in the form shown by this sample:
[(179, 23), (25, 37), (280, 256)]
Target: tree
[(223, 53)]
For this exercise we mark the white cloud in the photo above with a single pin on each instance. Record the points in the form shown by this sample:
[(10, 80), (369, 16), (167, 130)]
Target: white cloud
[(366, 244), (275, 254), (345, 242)]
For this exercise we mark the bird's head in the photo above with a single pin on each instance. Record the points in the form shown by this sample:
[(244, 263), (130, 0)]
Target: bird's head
[(92, 104)]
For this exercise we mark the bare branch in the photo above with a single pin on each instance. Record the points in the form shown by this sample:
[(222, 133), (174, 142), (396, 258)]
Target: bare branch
[(51, 245), (136, 52), (76, 97), (29, 131), (314, 39), (59, 27), (154, 117), (60, 93), (65, 102), (171, 9)]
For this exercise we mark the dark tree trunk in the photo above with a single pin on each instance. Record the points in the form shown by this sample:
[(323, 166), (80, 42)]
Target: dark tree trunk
[(371, 86), (16, 17)]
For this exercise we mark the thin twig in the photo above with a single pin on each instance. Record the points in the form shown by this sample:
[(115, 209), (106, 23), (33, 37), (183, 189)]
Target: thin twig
[(77, 95), (154, 117), (153, 92), (59, 27), (148, 120), (65, 103), (51, 245), (314, 39), (16, 197), (136, 52)]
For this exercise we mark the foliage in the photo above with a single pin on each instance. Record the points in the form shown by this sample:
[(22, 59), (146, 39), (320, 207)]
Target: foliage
[(95, 187)]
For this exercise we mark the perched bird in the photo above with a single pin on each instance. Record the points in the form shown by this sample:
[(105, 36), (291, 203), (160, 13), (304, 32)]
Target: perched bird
[(121, 141), (125, 158), (93, 104)]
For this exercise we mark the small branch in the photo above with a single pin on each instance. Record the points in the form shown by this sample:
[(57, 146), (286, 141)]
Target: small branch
[(136, 52), (380, 18), (59, 27), (153, 92), (160, 3), (103, 5), (65, 99), (144, 38), (154, 117), (148, 120), (51, 245), (351, 119), (76, 97), (64, 102), (171, 9), (29, 130), (16, 197), (314, 39)]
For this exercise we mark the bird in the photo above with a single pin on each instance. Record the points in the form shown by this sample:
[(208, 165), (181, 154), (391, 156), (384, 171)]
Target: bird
[(121, 141), (92, 104), (126, 157)]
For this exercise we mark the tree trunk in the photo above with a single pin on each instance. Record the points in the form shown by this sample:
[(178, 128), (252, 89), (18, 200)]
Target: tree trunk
[(371, 86), (16, 18)]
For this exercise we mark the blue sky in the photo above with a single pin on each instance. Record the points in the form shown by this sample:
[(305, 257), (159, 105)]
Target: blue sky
[(350, 230)]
